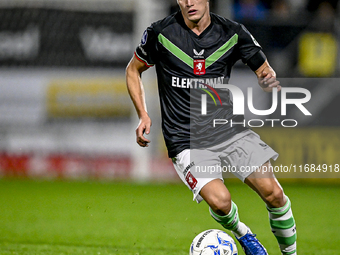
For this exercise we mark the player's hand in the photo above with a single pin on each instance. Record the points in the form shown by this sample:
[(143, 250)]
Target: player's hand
[(143, 128), (267, 79)]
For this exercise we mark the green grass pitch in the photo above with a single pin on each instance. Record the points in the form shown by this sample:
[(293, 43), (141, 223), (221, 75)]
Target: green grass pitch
[(73, 217)]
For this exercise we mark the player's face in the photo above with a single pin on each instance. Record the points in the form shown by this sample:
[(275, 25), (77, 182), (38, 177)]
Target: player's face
[(194, 10)]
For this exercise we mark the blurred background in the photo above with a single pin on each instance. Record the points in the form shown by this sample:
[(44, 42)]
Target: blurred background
[(65, 111)]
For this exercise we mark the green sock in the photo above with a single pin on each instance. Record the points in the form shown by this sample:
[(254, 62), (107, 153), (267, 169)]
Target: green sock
[(283, 227), (231, 221)]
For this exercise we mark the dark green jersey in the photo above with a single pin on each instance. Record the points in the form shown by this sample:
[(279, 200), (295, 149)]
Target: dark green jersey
[(189, 66)]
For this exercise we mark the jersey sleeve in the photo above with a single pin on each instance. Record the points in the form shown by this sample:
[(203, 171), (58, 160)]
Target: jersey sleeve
[(247, 44), (146, 51)]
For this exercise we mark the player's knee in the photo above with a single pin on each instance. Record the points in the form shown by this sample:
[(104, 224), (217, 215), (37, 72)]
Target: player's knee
[(274, 197), (221, 204)]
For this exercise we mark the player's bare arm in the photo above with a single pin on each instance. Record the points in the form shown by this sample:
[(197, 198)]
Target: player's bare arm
[(136, 91), (267, 77)]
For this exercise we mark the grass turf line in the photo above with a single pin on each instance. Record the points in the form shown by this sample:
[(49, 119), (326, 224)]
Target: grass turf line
[(63, 217)]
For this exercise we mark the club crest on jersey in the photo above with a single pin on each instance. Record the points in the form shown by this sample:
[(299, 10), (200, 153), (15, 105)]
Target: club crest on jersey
[(199, 62)]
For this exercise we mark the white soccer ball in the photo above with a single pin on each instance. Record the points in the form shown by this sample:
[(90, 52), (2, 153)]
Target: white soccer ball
[(213, 242)]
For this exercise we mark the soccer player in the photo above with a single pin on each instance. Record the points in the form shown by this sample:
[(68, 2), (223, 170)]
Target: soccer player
[(193, 51)]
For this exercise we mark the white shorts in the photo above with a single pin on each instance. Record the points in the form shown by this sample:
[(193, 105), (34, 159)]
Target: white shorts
[(241, 155)]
